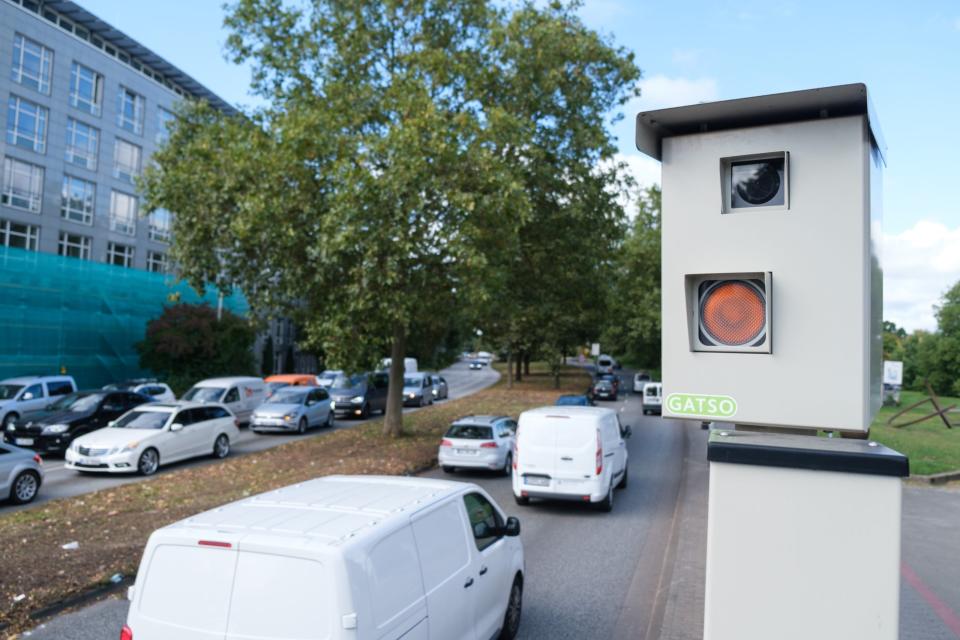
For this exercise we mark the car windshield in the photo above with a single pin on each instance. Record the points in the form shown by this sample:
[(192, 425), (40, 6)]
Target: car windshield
[(288, 396), (412, 382), (77, 402), (273, 386), (652, 391), (142, 420), (327, 378), (470, 432), (604, 384), (204, 394), (8, 391), (571, 400), (347, 382)]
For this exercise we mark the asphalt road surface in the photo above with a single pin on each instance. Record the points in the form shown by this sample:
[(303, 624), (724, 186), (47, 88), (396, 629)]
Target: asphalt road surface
[(60, 482), (589, 574)]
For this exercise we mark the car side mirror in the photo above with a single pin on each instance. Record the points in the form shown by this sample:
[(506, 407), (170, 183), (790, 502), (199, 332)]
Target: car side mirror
[(512, 528), (176, 426)]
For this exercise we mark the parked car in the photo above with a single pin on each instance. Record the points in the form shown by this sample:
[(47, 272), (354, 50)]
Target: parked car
[(640, 379), (60, 423), (328, 377), (360, 395), (476, 364), (159, 391), (341, 557), (652, 398), (479, 442), (417, 389), (31, 393), (155, 434), (574, 401), (441, 390), (21, 474), (604, 390), (293, 408), (612, 379), (570, 453), (281, 380), (605, 364), (409, 365), (241, 395)]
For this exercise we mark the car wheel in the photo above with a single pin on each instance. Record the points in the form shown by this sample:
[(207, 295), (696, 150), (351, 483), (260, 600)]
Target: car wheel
[(448, 469), (508, 465), (511, 619), (10, 420), (365, 412), (606, 505), (148, 463), (521, 500), (624, 479), (25, 487), (302, 426), (221, 446), (422, 402)]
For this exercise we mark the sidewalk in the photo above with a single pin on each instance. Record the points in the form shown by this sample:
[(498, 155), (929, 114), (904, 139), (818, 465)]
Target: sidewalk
[(930, 581)]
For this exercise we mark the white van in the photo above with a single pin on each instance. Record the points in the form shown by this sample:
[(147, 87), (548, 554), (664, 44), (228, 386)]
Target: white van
[(605, 364), (652, 398), (570, 453), (241, 395), (358, 557), (409, 364)]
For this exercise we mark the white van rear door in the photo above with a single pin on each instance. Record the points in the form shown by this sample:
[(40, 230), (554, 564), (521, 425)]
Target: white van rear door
[(537, 445), (576, 450)]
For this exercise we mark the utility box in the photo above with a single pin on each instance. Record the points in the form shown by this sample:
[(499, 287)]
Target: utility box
[(771, 282)]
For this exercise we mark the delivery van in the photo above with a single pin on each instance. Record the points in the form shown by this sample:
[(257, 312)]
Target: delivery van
[(241, 394), (570, 453), (409, 365), (358, 557), (652, 398)]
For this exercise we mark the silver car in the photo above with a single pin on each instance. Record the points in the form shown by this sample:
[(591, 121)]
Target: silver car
[(293, 408), (417, 389), (441, 391), (21, 474), (479, 442)]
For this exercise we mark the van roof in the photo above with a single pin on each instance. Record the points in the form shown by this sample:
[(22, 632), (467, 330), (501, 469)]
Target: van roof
[(569, 411), (212, 382), (331, 511), (28, 379)]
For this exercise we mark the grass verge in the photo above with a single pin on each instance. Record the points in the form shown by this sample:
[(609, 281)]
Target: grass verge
[(931, 447), (112, 525)]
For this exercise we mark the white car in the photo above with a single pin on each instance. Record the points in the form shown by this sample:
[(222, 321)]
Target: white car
[(341, 557), (155, 434), (639, 380), (570, 453), (478, 442)]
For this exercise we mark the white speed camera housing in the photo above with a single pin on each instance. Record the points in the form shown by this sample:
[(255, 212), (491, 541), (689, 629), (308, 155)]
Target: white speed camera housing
[(771, 286)]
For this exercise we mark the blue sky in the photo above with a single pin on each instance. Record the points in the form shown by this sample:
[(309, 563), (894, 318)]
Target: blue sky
[(908, 53)]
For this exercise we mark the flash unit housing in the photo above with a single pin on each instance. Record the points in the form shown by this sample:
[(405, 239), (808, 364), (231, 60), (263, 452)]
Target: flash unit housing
[(740, 322)]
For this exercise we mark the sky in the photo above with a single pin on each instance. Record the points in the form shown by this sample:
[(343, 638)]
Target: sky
[(908, 54)]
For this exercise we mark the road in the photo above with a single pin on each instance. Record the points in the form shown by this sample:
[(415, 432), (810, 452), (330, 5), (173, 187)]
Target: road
[(589, 574), (60, 482)]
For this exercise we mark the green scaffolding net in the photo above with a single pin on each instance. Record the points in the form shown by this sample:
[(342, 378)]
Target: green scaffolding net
[(80, 317)]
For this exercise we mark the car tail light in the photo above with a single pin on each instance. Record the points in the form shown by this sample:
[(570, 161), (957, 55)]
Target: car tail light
[(215, 543), (126, 633), (446, 443), (37, 459), (516, 454), (489, 445), (599, 454), (733, 313)]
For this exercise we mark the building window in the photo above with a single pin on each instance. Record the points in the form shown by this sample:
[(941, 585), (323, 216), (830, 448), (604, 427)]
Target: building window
[(32, 64), (126, 160), (83, 144), (156, 262), (26, 124), (86, 89), (160, 222), (77, 200), (130, 108), (164, 121), (123, 213), (19, 236), (74, 246), (22, 185), (120, 255)]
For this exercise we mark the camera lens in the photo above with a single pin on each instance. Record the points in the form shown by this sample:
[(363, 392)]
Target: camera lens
[(758, 183)]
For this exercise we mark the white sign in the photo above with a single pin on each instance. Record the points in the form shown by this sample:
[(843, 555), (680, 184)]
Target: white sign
[(892, 372), (595, 349)]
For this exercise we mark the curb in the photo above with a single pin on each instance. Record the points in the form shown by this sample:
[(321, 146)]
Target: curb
[(938, 478)]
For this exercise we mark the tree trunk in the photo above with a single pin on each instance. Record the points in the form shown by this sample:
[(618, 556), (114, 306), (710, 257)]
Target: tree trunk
[(509, 369), (519, 373), (526, 364), (557, 368), (393, 420)]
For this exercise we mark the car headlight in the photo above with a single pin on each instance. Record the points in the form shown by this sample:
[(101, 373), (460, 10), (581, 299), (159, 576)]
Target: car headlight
[(55, 428), (12, 426), (356, 399), (127, 448), (289, 417), (411, 395)]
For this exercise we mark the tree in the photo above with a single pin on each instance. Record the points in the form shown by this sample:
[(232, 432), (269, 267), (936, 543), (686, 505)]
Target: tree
[(361, 201), (893, 338), (633, 328), (187, 343)]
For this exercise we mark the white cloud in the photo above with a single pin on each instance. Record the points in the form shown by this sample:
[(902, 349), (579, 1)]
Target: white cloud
[(919, 265), (645, 170), (660, 91)]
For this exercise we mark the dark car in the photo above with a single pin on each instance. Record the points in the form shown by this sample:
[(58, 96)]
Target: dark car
[(604, 390), (54, 428), (612, 379), (359, 395), (574, 401), (476, 364)]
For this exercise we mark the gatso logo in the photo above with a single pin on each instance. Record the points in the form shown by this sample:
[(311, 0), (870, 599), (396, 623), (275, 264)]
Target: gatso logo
[(701, 406)]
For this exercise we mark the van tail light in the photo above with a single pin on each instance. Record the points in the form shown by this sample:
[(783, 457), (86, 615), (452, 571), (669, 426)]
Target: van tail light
[(599, 454), (446, 443), (489, 445), (215, 543), (37, 459), (516, 454), (126, 633)]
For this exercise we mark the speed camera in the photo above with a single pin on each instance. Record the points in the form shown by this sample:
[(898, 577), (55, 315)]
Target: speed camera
[(771, 281)]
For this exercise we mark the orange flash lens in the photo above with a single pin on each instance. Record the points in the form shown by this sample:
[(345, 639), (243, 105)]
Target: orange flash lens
[(733, 313)]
